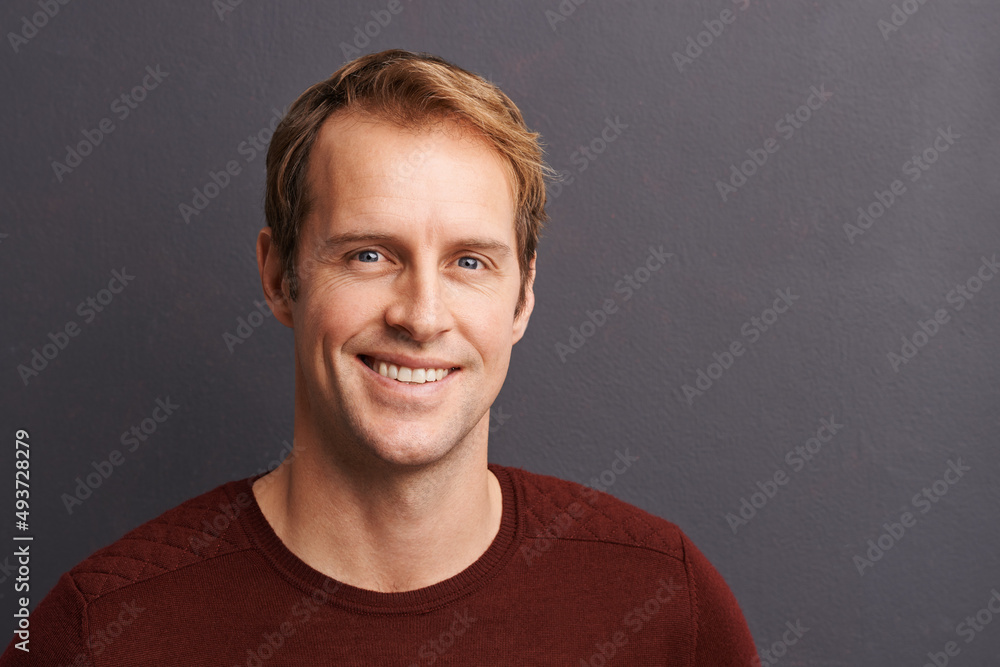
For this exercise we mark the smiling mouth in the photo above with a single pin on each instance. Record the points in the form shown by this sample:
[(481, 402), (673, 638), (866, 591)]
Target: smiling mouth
[(405, 374)]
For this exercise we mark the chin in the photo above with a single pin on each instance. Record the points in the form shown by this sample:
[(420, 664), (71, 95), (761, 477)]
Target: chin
[(410, 458), (420, 448)]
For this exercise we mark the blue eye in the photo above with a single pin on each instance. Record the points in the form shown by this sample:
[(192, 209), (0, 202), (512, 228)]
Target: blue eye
[(371, 257)]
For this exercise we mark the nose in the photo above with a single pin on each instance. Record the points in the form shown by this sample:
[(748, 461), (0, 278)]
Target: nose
[(419, 304)]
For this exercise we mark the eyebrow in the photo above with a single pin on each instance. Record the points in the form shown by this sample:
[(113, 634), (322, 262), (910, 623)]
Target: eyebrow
[(475, 243)]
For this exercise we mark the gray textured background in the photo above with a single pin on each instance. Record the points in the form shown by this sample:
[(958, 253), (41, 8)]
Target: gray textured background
[(655, 184)]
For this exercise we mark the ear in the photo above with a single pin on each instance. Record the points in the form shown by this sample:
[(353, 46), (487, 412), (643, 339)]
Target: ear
[(272, 278), (521, 322)]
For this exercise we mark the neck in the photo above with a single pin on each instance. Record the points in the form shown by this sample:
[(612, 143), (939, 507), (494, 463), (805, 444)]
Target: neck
[(386, 530)]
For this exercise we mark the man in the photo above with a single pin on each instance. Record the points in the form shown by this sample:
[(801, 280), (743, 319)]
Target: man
[(405, 198)]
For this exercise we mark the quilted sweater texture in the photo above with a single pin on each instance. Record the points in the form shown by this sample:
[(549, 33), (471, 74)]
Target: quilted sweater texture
[(573, 577)]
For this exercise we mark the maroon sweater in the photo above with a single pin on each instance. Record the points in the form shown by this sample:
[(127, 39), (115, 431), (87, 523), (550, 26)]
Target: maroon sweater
[(574, 577)]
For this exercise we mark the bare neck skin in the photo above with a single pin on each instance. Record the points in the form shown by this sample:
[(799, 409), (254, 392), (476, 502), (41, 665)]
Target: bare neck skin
[(379, 529)]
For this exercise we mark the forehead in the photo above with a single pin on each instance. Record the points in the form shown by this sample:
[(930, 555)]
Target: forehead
[(362, 166)]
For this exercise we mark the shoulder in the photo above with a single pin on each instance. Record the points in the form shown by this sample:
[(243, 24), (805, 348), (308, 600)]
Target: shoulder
[(199, 529), (556, 508), (633, 540)]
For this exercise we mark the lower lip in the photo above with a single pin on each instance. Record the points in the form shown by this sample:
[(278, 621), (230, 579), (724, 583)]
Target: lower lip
[(407, 388)]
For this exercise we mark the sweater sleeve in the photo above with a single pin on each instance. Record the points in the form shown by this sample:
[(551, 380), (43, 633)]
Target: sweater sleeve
[(58, 628), (722, 637)]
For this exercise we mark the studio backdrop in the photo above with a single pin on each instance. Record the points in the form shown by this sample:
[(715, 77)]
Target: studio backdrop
[(767, 300)]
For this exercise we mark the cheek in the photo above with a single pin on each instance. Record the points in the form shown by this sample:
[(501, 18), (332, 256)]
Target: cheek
[(490, 333), (327, 316), (330, 302), (488, 309)]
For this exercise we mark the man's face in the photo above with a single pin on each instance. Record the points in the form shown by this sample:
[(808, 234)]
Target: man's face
[(433, 288)]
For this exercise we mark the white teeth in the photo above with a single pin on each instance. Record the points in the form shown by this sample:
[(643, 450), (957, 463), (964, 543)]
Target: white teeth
[(410, 375)]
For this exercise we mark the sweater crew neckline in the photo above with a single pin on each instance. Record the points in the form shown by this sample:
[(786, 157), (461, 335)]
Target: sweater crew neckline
[(325, 589)]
